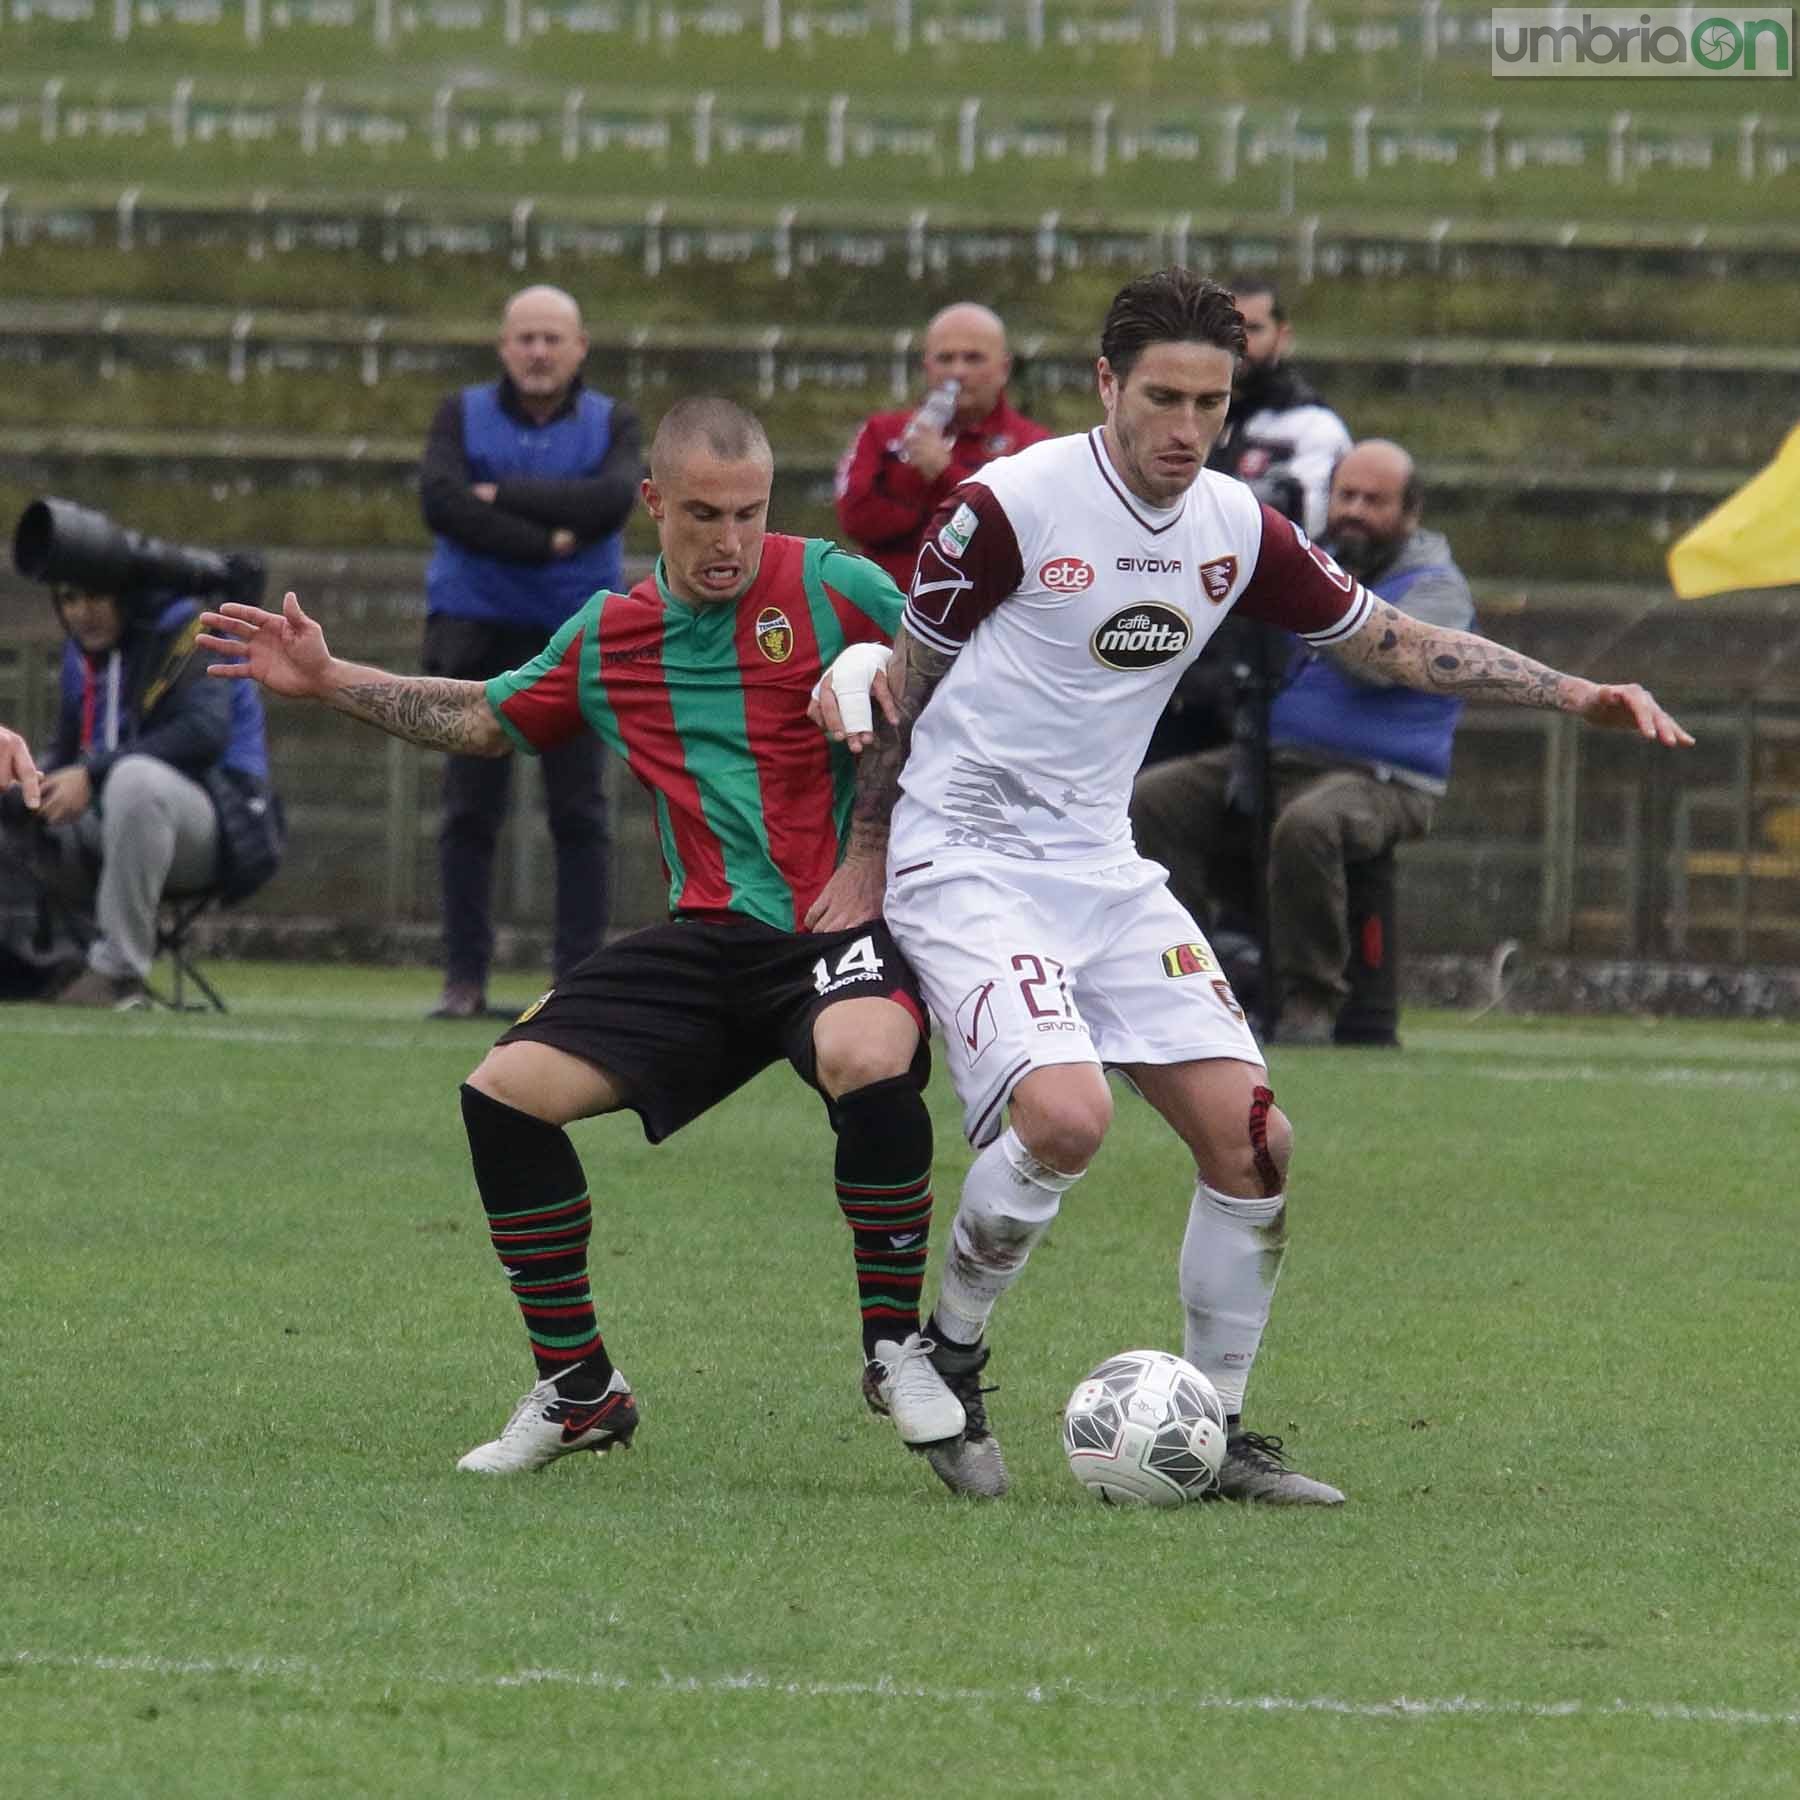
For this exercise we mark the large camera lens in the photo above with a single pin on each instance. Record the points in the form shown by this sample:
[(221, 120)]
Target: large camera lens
[(57, 540)]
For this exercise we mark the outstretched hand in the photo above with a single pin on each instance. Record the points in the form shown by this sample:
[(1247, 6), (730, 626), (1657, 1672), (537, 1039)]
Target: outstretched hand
[(1632, 708), (284, 651)]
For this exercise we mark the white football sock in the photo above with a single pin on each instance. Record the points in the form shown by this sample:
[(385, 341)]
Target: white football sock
[(1009, 1199), (1230, 1260)]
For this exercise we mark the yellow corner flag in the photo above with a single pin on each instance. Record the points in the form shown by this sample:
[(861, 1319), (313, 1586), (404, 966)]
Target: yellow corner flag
[(1752, 541)]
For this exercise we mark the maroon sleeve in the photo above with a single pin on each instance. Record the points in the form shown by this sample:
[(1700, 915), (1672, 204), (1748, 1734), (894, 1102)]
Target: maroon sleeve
[(961, 576), (1296, 586)]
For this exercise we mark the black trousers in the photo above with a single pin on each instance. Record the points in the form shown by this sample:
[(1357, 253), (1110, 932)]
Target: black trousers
[(477, 792)]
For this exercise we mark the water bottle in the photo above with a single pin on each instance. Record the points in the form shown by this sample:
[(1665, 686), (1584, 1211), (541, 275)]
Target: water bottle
[(935, 412)]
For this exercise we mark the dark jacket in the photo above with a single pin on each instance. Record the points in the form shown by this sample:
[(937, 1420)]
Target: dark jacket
[(150, 696)]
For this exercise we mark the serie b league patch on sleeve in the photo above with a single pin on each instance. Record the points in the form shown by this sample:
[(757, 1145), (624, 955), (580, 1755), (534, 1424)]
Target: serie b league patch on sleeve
[(953, 540)]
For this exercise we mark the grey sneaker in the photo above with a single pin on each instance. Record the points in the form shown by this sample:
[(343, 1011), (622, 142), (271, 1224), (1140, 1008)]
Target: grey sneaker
[(973, 1464), (899, 1382), (1305, 1024), (1253, 1470), (460, 1000), (118, 993)]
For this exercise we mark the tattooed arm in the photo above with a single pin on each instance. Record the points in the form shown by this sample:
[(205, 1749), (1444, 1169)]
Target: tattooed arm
[(1411, 653), (854, 892), (422, 709), (287, 654), (913, 675)]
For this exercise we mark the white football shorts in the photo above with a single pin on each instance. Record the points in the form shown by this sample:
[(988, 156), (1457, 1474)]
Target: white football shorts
[(1026, 965)]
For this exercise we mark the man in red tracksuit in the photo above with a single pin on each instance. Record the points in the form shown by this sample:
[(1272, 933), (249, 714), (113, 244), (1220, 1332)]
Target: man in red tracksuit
[(902, 466)]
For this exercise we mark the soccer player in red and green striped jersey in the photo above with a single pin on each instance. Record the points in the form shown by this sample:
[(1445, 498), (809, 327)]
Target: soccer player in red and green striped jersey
[(700, 677)]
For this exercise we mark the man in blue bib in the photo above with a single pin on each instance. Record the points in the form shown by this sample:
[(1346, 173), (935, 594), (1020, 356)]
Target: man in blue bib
[(526, 483)]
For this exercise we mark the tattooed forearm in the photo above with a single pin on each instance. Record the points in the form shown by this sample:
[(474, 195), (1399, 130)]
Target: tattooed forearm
[(913, 676), (441, 715), (1436, 658)]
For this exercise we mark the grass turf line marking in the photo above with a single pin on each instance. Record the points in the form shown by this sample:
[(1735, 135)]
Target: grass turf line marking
[(121, 1025), (1401, 1707), (1768, 1081)]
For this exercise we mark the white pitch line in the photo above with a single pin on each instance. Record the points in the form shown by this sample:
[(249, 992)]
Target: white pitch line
[(1662, 1043), (1765, 1081), (1401, 1707), (281, 1037)]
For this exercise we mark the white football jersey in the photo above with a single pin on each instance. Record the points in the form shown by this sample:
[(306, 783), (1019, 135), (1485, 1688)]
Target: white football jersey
[(1072, 608)]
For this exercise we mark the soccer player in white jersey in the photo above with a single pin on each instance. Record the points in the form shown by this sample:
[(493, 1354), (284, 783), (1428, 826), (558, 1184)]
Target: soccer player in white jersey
[(1056, 600)]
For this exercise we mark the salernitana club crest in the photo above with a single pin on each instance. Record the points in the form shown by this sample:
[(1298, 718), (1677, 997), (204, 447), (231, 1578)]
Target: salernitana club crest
[(774, 635)]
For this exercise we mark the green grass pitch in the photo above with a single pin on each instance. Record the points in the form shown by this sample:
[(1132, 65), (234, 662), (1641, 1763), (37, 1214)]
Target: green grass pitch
[(1538, 1322)]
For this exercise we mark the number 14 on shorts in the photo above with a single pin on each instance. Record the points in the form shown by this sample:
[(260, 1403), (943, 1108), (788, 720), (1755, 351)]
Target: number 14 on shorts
[(859, 962)]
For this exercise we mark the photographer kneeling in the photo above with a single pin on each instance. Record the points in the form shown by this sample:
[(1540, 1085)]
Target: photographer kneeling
[(158, 780)]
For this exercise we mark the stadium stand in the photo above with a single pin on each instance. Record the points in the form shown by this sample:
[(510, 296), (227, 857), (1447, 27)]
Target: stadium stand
[(1578, 316), (969, 146), (660, 239), (1405, 36), (767, 360)]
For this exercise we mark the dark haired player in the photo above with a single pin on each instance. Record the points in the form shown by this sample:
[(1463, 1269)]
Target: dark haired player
[(1057, 600), (700, 677)]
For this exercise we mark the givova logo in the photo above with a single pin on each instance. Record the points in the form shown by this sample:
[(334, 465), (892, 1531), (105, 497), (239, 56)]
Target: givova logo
[(1639, 42)]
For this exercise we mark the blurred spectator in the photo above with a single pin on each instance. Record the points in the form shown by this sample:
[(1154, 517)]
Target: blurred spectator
[(1281, 437), (904, 463), (1357, 765), (157, 784), (527, 482), (1283, 441)]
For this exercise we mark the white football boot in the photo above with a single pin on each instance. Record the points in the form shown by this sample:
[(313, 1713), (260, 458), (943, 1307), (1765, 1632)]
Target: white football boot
[(900, 1383), (545, 1425)]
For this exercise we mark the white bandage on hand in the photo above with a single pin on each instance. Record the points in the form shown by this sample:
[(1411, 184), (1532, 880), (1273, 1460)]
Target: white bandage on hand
[(852, 676)]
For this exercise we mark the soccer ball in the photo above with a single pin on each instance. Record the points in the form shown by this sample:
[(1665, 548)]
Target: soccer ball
[(1145, 1427)]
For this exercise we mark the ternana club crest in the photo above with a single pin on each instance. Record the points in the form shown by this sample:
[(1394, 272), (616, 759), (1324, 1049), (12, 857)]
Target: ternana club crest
[(774, 635)]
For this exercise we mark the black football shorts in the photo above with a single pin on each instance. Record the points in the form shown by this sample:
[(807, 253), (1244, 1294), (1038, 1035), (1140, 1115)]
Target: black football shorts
[(680, 1015)]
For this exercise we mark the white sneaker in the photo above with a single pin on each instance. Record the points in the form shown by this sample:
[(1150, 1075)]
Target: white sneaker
[(545, 1426), (900, 1382)]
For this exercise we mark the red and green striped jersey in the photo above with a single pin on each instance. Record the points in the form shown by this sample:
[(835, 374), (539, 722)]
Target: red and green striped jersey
[(708, 706)]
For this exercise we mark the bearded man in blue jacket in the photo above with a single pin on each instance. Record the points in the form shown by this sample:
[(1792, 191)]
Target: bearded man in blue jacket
[(1357, 765)]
